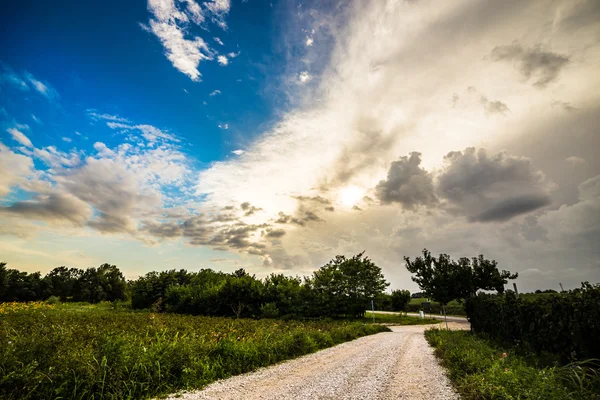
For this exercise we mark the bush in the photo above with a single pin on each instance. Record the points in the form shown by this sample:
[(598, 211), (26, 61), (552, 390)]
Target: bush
[(567, 325), (53, 300)]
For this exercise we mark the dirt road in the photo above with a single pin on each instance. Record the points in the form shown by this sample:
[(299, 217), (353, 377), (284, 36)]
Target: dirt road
[(391, 365)]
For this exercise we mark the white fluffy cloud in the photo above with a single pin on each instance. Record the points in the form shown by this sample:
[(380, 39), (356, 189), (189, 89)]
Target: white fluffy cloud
[(171, 22)]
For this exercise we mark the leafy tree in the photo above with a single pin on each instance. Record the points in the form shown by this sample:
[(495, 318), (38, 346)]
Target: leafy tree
[(61, 281), (105, 283), (345, 285), (400, 300), (444, 280)]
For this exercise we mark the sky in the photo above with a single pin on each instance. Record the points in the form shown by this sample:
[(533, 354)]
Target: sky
[(272, 136)]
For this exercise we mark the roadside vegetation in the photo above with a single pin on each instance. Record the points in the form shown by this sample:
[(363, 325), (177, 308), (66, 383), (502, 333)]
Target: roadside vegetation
[(106, 351), (481, 369), (541, 345)]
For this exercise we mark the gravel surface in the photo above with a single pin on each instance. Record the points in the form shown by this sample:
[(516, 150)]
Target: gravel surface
[(390, 365)]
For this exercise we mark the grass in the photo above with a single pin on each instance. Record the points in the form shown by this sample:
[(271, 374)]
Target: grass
[(81, 351), (480, 369), (398, 319)]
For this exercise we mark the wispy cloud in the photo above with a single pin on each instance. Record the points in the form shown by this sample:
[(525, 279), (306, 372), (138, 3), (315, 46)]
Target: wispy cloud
[(214, 93), (171, 22), (20, 137)]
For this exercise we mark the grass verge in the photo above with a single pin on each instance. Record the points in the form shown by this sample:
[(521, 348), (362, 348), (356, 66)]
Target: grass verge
[(480, 369), (49, 352)]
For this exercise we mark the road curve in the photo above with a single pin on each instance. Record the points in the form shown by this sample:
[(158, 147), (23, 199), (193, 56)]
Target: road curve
[(390, 365)]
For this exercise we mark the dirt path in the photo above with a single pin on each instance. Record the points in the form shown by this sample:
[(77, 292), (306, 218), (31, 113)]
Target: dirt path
[(391, 365)]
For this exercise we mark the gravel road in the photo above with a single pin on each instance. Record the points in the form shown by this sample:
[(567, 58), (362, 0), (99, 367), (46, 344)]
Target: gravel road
[(390, 365)]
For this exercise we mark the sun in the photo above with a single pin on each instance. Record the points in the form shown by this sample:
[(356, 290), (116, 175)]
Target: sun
[(350, 195)]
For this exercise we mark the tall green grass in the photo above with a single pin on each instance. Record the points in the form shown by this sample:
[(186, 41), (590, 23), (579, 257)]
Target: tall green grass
[(480, 369), (84, 352)]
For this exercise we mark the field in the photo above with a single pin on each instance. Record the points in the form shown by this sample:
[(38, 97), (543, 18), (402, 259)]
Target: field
[(81, 351), (398, 319), (481, 369)]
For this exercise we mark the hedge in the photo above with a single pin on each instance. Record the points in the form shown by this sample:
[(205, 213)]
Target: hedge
[(566, 325)]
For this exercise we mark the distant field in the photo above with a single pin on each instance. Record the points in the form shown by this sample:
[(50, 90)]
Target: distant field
[(82, 351), (398, 319)]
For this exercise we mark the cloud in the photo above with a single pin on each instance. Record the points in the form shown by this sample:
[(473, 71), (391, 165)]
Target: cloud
[(544, 66), (52, 208), (20, 137), (222, 60), (170, 25), (214, 93), (494, 107), (565, 105), (14, 169), (304, 77), (575, 161), (42, 87), (66, 139), (238, 152), (249, 209), (309, 41), (491, 188), (26, 81), (223, 126), (218, 9), (407, 183), (233, 54), (219, 41), (93, 114)]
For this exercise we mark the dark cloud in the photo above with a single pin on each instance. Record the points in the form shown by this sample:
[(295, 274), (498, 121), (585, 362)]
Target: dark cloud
[(532, 231), (303, 216), (315, 199), (330, 209), (545, 66), (275, 233), (249, 209), (491, 188), (407, 183), (53, 207), (356, 208), (506, 209)]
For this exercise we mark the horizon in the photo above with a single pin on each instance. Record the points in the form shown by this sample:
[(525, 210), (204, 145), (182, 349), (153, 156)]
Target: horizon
[(183, 134)]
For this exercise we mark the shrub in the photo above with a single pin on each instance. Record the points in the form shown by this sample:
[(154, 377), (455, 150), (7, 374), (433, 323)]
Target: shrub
[(567, 325), (53, 300)]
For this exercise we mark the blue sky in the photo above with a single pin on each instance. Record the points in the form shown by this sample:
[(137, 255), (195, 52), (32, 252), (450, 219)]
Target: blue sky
[(274, 135), (97, 58)]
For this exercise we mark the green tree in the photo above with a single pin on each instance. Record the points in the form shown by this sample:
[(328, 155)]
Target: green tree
[(444, 280), (61, 281), (345, 285), (400, 300)]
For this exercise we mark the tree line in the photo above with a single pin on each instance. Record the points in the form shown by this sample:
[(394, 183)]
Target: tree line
[(105, 283), (341, 288), (344, 287)]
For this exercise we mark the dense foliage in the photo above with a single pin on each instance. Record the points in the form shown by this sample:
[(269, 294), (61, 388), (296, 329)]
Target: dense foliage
[(341, 288), (479, 369), (566, 324), (444, 280), (105, 283), (49, 352)]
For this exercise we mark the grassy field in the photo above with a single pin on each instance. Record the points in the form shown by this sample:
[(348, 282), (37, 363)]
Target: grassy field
[(479, 369), (398, 319), (80, 351)]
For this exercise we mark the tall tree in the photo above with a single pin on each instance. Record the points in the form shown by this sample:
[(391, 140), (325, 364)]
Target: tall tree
[(346, 285), (444, 280)]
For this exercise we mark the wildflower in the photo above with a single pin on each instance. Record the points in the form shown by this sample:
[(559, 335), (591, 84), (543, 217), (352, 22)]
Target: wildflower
[(504, 355)]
